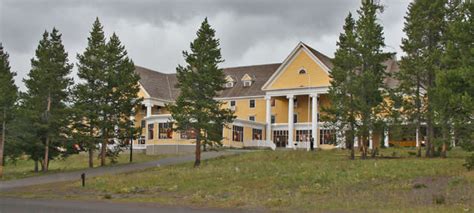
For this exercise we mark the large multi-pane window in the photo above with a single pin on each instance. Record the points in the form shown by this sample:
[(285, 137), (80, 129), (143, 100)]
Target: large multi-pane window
[(238, 133), (165, 130), (256, 134), (328, 136), (188, 134), (303, 135), (151, 131)]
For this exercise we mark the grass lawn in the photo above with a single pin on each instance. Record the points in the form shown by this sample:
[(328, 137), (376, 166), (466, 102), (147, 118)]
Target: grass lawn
[(25, 168), (290, 181)]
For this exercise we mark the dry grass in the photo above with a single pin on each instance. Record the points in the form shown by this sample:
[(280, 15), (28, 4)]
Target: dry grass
[(291, 181)]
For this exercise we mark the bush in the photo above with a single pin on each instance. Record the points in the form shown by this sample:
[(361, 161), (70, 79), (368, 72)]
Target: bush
[(469, 163)]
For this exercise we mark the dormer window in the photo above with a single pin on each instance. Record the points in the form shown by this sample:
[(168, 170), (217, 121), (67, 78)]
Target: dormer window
[(229, 82), (302, 71), (229, 85), (247, 80)]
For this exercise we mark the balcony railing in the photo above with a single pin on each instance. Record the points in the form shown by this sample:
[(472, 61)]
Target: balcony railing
[(260, 143)]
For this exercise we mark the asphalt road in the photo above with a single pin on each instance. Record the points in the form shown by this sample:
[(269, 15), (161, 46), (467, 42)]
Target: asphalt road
[(14, 205), (76, 175)]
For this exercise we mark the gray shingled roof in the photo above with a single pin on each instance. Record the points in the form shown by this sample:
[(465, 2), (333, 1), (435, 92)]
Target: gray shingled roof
[(161, 85)]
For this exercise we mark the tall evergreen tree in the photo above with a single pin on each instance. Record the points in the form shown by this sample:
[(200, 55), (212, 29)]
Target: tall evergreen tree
[(200, 81), (369, 84), (454, 93), (89, 94), (47, 94), (104, 102), (343, 112), (424, 27), (123, 87), (8, 97)]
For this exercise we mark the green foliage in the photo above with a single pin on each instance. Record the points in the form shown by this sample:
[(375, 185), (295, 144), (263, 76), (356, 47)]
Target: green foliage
[(199, 81), (469, 162), (357, 87), (44, 105), (105, 101)]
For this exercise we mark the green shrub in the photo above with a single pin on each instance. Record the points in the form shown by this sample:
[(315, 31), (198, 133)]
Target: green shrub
[(469, 163)]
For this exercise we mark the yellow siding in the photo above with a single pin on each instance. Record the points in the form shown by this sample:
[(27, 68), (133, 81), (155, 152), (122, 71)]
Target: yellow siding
[(290, 77), (243, 110)]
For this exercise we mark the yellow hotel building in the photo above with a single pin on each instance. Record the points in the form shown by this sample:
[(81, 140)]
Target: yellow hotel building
[(276, 105)]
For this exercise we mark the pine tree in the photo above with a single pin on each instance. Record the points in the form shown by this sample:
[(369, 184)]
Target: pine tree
[(200, 81), (454, 93), (369, 86), (47, 94), (346, 60), (90, 95), (123, 87), (424, 27), (8, 97)]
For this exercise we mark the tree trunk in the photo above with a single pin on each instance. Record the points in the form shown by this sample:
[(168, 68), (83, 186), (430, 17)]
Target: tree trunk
[(429, 137), (2, 140), (36, 166), (350, 141), (46, 155), (104, 149), (46, 145), (197, 161), (364, 147), (91, 158), (418, 148), (445, 139)]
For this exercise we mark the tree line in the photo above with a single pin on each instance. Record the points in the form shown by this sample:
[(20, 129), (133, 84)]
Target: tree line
[(55, 117), (435, 82)]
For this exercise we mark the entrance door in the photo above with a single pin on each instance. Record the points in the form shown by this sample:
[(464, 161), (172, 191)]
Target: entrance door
[(280, 138)]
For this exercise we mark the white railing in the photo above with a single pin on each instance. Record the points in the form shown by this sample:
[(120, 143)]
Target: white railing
[(139, 146), (260, 143)]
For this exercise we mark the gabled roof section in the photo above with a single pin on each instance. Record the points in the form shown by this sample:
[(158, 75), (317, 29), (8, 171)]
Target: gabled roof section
[(158, 85), (322, 60), (246, 78), (229, 78), (162, 85)]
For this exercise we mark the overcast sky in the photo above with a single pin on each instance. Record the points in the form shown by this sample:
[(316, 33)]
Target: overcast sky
[(156, 32)]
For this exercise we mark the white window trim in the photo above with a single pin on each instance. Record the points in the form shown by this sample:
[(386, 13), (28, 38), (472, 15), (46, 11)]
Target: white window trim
[(254, 103)]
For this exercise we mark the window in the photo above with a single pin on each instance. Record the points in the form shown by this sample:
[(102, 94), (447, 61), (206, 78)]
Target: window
[(252, 103), (229, 84), (327, 136), (295, 102), (251, 118), (256, 134), (143, 124), (232, 103), (165, 130), (238, 133), (247, 83), (295, 118), (151, 131), (188, 134), (302, 72), (272, 102), (273, 119), (303, 135)]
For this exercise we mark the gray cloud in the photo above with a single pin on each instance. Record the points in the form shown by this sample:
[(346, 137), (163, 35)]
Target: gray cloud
[(156, 32)]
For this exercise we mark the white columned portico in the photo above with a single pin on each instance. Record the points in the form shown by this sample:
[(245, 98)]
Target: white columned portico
[(148, 109), (314, 119), (291, 122), (268, 116)]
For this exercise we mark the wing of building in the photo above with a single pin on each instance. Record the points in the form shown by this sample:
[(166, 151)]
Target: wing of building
[(277, 105)]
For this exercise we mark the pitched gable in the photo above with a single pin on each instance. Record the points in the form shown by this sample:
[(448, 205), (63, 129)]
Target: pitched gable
[(290, 75)]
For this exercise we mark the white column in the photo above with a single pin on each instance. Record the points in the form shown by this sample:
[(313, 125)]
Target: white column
[(290, 119), (148, 109), (385, 139), (268, 116), (417, 137), (314, 119), (371, 141), (356, 141)]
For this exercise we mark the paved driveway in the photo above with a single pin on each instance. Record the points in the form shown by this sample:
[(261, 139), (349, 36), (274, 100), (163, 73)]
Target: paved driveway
[(76, 175)]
